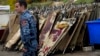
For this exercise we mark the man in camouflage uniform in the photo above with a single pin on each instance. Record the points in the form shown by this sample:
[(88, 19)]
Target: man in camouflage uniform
[(28, 29)]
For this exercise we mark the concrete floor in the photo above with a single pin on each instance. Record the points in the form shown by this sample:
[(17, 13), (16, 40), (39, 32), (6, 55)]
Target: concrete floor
[(79, 53)]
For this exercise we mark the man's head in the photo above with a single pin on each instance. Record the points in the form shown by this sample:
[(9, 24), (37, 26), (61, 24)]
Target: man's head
[(20, 6)]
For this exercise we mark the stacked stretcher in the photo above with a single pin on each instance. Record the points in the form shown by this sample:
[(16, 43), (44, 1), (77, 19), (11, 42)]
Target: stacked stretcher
[(65, 28)]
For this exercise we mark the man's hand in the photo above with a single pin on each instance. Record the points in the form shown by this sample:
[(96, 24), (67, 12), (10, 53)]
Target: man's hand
[(24, 50)]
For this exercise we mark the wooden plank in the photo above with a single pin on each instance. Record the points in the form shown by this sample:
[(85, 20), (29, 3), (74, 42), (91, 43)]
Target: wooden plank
[(41, 22), (70, 21), (21, 46), (12, 21), (13, 40), (5, 34), (47, 28), (72, 44), (15, 26), (62, 43), (18, 46), (83, 29), (15, 29), (53, 37), (70, 38), (10, 24)]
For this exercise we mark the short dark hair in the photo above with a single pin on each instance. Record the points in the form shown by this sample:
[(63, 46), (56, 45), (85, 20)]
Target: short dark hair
[(22, 3)]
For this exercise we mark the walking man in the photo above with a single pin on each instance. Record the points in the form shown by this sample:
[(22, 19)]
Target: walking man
[(28, 29)]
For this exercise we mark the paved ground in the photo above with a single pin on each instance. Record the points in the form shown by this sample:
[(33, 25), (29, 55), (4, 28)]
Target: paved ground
[(6, 53), (94, 53)]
